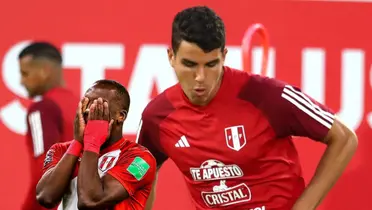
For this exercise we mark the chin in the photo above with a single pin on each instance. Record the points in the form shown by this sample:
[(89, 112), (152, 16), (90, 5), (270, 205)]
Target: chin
[(200, 101)]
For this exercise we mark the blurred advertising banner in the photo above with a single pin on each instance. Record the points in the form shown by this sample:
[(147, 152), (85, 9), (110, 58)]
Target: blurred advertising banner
[(323, 47)]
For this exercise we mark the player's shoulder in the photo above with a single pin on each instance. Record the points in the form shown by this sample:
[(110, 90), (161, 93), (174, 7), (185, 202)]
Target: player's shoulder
[(60, 147), (161, 105), (43, 104), (132, 149), (60, 92), (252, 81), (253, 86), (59, 95)]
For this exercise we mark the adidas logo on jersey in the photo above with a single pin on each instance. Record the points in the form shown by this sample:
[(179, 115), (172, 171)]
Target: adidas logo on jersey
[(182, 142)]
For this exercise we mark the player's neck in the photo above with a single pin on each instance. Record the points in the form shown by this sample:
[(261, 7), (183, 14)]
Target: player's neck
[(115, 137), (52, 85)]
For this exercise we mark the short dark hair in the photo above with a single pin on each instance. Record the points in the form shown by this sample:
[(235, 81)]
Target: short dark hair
[(199, 25), (42, 50), (122, 92)]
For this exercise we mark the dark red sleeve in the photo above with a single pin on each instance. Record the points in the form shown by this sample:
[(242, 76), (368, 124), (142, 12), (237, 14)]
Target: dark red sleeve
[(45, 126), (148, 134), (135, 171), (289, 111), (53, 155)]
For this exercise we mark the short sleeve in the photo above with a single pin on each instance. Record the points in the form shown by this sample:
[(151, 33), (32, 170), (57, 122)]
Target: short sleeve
[(290, 111), (52, 157), (306, 116), (135, 171), (44, 121), (148, 136)]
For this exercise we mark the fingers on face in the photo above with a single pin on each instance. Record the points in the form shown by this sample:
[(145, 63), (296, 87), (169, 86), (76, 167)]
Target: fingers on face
[(99, 110), (85, 102), (92, 110), (82, 106), (106, 112)]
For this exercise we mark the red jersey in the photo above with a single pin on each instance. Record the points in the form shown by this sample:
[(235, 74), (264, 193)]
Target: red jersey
[(49, 120), (131, 164), (236, 152)]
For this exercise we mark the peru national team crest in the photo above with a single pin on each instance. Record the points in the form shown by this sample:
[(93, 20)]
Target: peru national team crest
[(235, 137), (107, 161)]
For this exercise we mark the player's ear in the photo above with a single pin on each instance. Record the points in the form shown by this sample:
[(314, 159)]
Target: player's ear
[(171, 56), (44, 73), (224, 53), (122, 116)]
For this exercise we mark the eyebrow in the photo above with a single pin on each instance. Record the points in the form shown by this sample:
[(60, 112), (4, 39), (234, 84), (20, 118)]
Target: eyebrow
[(213, 61), (185, 60)]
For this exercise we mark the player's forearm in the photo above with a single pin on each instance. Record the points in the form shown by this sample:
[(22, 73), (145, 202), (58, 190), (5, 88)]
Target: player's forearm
[(151, 199), (334, 161), (52, 185), (90, 189)]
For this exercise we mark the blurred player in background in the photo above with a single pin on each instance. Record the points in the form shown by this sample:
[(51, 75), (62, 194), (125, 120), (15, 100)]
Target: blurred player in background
[(230, 132), (50, 118), (99, 169)]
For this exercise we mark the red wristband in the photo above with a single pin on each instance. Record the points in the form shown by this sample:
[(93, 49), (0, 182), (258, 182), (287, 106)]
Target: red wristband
[(92, 147), (75, 148), (95, 135)]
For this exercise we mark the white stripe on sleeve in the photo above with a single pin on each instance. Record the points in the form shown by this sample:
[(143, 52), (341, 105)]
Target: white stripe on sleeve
[(304, 103), (139, 131), (36, 127)]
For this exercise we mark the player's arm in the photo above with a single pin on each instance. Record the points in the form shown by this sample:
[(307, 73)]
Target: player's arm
[(59, 164), (44, 122), (58, 169), (44, 125), (94, 193), (148, 136), (293, 113), (152, 196), (341, 144), (320, 124)]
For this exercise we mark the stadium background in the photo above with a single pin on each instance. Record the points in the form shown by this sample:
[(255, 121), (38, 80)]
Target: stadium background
[(323, 47)]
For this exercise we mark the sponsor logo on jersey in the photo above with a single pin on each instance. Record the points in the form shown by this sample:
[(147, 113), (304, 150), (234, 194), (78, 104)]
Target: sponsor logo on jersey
[(223, 195), (220, 194), (215, 170)]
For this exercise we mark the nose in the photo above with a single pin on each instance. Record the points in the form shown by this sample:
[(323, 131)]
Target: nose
[(200, 75)]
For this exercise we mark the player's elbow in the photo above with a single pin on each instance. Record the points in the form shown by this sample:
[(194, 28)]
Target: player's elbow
[(46, 200), (351, 142), (344, 138)]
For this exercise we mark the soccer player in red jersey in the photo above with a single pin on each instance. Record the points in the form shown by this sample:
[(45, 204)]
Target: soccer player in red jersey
[(50, 118), (99, 169), (230, 132)]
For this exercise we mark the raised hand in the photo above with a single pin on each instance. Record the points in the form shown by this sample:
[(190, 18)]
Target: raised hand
[(79, 123), (98, 126)]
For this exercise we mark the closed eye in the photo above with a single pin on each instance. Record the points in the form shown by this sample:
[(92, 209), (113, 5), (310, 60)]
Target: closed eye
[(188, 63), (213, 63)]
